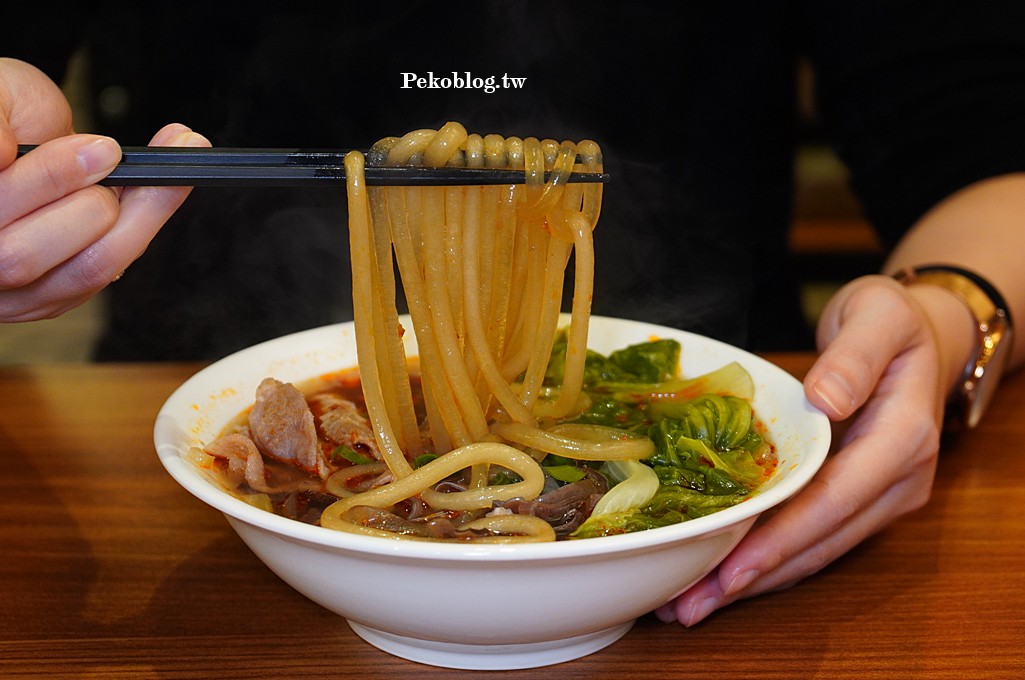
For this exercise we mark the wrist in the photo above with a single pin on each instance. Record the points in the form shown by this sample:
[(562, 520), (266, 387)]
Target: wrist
[(953, 329)]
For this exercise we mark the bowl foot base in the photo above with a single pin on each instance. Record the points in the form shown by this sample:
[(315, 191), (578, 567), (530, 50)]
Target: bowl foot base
[(490, 657)]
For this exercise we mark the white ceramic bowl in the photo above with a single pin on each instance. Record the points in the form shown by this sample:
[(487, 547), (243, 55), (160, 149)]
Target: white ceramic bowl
[(485, 606)]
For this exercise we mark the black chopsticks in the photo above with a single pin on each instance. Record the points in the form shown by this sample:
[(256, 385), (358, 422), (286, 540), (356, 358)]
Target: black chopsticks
[(191, 166)]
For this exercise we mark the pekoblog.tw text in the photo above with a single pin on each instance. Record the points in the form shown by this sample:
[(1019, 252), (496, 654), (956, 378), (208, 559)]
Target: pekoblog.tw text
[(465, 80)]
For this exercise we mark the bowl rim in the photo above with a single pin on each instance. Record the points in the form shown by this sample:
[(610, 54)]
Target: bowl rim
[(167, 431)]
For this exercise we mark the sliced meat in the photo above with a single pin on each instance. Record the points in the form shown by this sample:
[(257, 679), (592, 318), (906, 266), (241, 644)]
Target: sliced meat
[(245, 464), (342, 422), (565, 508), (282, 427)]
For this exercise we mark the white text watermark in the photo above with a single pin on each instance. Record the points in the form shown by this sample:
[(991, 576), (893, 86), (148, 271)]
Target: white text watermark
[(461, 81)]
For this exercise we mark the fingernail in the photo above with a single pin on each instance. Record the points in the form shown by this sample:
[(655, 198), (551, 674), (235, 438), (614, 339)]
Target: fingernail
[(99, 156), (741, 581), (191, 138), (666, 613), (835, 392), (700, 610), (186, 137), (177, 129)]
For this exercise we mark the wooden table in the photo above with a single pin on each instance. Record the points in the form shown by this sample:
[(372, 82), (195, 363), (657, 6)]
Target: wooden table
[(108, 569)]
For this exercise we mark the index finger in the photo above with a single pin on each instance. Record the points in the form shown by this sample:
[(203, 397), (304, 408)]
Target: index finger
[(54, 170)]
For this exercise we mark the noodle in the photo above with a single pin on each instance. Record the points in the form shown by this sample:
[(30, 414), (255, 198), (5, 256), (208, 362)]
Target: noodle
[(367, 300), (507, 428), (483, 271), (419, 481), (505, 528), (336, 483), (582, 442)]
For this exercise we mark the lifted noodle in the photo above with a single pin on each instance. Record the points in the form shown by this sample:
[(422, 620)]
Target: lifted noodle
[(483, 270)]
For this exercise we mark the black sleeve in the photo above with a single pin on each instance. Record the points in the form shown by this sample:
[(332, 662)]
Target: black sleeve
[(45, 37), (921, 97)]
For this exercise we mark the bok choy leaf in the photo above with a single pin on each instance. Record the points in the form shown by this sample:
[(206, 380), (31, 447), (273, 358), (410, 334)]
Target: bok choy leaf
[(638, 483)]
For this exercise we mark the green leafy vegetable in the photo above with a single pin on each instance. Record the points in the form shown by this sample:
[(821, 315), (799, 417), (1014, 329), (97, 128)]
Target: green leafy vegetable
[(502, 476), (623, 523), (710, 433), (423, 459), (731, 378), (565, 473), (638, 483), (689, 503), (609, 412), (668, 506), (344, 452), (651, 362), (722, 422), (647, 362), (670, 475), (597, 368), (707, 455)]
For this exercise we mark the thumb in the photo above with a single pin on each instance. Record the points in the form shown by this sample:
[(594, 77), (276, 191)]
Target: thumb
[(32, 108), (862, 329)]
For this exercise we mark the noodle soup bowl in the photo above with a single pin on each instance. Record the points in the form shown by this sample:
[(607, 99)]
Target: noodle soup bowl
[(485, 606)]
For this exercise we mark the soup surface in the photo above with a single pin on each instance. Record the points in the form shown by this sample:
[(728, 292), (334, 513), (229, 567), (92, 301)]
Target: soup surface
[(649, 448)]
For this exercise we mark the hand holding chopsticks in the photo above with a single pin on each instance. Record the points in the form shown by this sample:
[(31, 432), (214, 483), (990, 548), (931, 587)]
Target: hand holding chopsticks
[(190, 166), (62, 237)]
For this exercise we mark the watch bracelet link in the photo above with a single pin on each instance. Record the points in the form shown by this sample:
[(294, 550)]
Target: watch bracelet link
[(920, 273), (986, 304)]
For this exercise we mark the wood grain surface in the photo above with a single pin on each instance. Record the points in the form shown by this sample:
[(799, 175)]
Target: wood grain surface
[(108, 569)]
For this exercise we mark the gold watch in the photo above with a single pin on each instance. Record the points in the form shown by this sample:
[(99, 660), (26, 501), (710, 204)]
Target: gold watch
[(995, 333)]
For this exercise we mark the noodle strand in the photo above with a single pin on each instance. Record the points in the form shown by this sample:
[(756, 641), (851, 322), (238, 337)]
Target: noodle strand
[(483, 271)]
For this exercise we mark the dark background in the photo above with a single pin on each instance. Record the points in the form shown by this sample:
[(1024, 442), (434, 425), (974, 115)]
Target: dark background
[(699, 109)]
